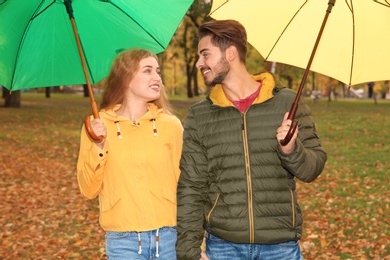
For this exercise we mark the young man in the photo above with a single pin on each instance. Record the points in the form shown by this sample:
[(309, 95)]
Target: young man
[(237, 182)]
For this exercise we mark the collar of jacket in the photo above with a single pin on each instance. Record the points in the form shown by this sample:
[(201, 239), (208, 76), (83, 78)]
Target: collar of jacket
[(218, 97), (110, 113)]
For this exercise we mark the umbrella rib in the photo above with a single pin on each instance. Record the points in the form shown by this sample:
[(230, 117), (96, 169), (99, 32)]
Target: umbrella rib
[(387, 3), (154, 38), (36, 15), (22, 41), (285, 28), (216, 9)]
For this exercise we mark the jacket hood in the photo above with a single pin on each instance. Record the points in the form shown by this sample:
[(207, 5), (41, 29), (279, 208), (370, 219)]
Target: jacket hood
[(151, 115), (110, 114), (218, 97)]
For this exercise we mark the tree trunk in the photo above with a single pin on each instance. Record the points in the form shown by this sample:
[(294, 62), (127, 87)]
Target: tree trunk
[(189, 80), (47, 91), (194, 76), (11, 100), (86, 92)]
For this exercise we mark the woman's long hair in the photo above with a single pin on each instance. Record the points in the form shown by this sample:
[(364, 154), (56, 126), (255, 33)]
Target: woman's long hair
[(122, 72)]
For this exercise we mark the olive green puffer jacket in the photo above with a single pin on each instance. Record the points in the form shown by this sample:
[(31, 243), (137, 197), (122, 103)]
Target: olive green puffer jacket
[(235, 183)]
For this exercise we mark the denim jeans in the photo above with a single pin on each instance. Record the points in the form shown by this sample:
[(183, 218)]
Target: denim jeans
[(218, 249), (142, 245)]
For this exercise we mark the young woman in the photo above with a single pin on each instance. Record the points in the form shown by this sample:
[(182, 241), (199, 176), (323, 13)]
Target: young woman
[(135, 169)]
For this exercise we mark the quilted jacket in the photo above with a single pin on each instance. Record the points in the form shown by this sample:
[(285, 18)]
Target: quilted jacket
[(235, 182)]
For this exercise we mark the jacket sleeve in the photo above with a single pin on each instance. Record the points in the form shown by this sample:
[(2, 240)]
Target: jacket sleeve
[(90, 165), (308, 159), (191, 192)]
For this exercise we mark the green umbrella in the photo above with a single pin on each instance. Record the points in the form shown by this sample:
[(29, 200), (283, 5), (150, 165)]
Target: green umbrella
[(38, 47), (63, 42)]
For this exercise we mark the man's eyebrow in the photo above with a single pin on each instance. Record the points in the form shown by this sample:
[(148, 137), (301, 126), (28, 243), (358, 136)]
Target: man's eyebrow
[(203, 50)]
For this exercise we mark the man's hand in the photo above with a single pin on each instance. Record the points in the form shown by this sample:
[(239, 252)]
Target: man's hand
[(203, 256), (281, 133)]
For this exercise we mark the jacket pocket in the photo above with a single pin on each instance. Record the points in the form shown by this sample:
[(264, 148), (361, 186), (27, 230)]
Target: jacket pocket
[(108, 200)]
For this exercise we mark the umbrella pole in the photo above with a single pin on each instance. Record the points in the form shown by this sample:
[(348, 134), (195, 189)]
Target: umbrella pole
[(294, 106), (94, 107)]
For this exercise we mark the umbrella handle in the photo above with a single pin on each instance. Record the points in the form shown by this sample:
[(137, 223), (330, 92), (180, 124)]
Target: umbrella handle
[(294, 106), (291, 115), (87, 123), (91, 133), (290, 133)]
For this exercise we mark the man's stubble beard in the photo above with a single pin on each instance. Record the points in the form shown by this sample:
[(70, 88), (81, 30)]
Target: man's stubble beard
[(221, 69)]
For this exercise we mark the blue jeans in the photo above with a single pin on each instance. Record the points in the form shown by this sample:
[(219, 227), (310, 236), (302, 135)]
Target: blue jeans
[(142, 245), (218, 249)]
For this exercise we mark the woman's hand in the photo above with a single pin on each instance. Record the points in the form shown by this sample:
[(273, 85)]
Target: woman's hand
[(100, 130)]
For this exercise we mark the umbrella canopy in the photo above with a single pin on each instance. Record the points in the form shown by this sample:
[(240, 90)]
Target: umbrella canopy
[(38, 47), (354, 46)]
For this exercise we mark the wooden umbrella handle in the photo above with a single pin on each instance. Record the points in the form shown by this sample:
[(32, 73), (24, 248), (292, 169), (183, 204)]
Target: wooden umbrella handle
[(294, 106), (290, 133), (88, 127), (91, 133)]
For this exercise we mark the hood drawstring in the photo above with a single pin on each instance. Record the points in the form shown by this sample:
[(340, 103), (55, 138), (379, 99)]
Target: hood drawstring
[(139, 243), (157, 240), (154, 126), (118, 133)]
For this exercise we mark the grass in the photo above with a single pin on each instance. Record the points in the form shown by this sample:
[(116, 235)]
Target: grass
[(45, 217)]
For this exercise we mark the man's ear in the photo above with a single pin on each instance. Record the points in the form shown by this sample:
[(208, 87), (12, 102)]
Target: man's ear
[(231, 53)]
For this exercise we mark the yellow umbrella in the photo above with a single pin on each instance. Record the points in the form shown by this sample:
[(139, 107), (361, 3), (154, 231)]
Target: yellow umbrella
[(354, 46), (348, 42)]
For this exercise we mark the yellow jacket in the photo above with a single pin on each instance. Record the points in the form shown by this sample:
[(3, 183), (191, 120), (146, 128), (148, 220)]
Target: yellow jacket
[(136, 172)]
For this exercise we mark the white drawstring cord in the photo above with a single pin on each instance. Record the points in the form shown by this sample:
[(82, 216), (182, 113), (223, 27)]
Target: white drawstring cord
[(154, 126), (118, 133), (157, 240), (139, 244)]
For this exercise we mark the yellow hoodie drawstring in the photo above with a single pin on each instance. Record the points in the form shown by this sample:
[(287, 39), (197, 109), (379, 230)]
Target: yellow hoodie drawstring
[(139, 244), (118, 133), (154, 126), (157, 240)]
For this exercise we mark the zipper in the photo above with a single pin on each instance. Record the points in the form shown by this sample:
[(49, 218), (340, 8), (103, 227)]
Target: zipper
[(292, 208), (248, 179), (212, 209)]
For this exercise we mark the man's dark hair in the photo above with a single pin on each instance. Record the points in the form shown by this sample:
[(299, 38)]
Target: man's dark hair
[(225, 33)]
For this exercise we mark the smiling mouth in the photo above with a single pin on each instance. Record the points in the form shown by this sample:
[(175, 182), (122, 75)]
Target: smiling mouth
[(205, 71)]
